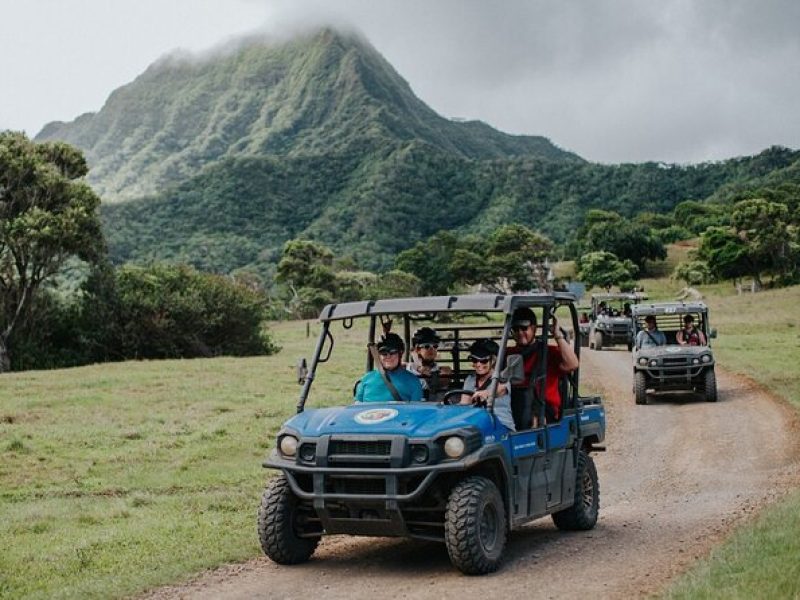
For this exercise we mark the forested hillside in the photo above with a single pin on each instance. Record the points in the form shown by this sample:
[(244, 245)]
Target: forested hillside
[(240, 212), (220, 161), (322, 93)]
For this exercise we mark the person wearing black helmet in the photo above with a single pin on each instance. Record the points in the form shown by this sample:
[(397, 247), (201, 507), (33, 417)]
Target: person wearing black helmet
[(373, 386), (561, 359), (434, 378), (483, 354)]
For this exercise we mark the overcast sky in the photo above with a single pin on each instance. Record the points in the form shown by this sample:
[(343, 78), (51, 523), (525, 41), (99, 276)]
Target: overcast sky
[(612, 80)]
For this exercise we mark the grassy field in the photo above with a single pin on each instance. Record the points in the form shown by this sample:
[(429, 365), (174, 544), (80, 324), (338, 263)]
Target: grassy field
[(759, 337), (116, 478)]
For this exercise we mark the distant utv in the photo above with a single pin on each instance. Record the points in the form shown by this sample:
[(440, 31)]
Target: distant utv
[(673, 353)]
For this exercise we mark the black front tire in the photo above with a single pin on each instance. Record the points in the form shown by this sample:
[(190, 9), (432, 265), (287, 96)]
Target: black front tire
[(582, 515), (710, 386), (475, 526), (279, 525), (598, 340), (640, 387)]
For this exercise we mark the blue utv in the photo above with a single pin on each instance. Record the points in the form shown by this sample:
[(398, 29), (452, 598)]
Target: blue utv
[(434, 469)]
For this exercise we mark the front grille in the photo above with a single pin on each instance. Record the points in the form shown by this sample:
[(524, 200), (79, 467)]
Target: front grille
[(360, 448), (673, 362)]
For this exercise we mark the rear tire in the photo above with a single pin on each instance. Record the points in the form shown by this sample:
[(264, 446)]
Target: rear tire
[(582, 515), (475, 526), (710, 386), (278, 525), (598, 340), (640, 387)]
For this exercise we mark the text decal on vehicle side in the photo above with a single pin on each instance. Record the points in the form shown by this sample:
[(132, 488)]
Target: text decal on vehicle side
[(375, 415)]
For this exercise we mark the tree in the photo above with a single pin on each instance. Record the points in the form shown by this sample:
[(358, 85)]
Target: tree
[(725, 253), (306, 264), (172, 311), (47, 215), (517, 255), (772, 242), (431, 261), (693, 272), (625, 239), (604, 269)]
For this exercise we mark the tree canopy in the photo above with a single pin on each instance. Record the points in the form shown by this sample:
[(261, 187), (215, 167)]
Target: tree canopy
[(47, 216)]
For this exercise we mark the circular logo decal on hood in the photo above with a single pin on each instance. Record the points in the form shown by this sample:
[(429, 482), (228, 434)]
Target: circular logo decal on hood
[(375, 415)]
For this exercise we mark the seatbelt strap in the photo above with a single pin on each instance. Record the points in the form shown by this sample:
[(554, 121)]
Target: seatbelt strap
[(376, 357), (650, 335)]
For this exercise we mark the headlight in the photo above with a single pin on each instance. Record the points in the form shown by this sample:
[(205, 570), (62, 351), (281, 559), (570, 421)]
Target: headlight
[(654, 363), (695, 361), (643, 361), (454, 447), (308, 452), (419, 453), (288, 445), (706, 358)]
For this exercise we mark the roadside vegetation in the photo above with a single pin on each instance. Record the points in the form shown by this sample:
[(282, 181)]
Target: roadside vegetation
[(119, 477), (759, 336)]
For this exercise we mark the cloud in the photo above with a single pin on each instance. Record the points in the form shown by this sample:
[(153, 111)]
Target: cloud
[(619, 80), (613, 80)]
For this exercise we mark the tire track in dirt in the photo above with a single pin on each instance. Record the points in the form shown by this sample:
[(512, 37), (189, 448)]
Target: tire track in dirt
[(678, 474)]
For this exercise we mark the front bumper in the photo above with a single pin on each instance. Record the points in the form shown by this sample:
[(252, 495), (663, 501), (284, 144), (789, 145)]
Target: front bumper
[(675, 377), (381, 501)]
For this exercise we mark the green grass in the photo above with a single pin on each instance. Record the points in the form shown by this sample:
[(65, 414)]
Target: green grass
[(759, 336), (119, 477)]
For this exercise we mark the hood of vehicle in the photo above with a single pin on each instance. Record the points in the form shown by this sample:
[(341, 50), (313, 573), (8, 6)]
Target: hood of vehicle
[(615, 320), (662, 351), (414, 419)]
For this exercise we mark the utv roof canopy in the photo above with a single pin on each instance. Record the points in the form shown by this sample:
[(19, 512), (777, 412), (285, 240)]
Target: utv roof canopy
[(505, 303), (668, 308)]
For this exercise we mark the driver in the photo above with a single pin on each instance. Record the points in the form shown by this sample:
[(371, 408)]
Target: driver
[(483, 354), (373, 388), (561, 360)]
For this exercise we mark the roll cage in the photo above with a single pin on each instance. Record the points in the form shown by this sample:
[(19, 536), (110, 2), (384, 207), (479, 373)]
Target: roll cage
[(669, 318), (456, 338)]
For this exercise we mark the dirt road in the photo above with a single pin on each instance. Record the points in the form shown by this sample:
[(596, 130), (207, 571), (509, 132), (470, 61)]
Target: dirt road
[(678, 474)]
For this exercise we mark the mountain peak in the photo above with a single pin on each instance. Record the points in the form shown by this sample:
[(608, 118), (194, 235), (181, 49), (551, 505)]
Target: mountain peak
[(320, 91)]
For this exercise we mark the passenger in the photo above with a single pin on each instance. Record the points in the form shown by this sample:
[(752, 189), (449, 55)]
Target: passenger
[(561, 359), (483, 354), (626, 309), (373, 388), (584, 318), (602, 308), (434, 377), (690, 335), (650, 337)]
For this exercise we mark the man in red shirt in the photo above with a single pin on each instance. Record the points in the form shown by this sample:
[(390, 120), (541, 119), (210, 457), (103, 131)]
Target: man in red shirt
[(561, 360)]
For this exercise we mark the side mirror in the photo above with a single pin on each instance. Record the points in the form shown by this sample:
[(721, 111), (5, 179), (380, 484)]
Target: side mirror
[(302, 371), (712, 333), (514, 371)]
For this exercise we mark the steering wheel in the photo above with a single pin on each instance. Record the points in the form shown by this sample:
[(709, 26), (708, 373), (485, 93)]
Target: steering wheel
[(448, 395)]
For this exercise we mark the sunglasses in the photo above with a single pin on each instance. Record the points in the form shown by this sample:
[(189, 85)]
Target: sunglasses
[(428, 346), (388, 352), (481, 361)]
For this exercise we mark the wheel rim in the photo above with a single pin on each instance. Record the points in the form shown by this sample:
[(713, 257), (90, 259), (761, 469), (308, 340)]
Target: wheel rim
[(488, 528), (588, 491)]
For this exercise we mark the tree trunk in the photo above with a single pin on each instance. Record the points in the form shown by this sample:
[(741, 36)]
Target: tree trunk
[(5, 361)]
